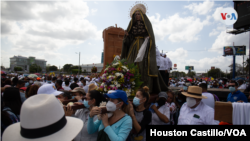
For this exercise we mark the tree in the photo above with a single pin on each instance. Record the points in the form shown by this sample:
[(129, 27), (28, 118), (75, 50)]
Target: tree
[(66, 67), (18, 69), (191, 74), (35, 68), (53, 68), (75, 67), (216, 73), (238, 69), (178, 74), (246, 66)]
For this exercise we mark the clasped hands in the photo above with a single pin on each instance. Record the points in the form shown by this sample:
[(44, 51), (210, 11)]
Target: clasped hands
[(97, 111)]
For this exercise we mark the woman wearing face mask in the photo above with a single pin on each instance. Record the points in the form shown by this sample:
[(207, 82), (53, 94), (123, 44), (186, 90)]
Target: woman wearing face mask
[(171, 103), (140, 115), (160, 111), (118, 126), (93, 98)]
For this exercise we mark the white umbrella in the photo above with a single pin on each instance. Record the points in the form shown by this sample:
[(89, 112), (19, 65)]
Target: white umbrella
[(32, 76)]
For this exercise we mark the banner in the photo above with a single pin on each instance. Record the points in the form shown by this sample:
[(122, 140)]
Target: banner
[(189, 67), (234, 50)]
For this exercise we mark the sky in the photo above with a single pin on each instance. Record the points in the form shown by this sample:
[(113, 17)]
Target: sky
[(191, 32)]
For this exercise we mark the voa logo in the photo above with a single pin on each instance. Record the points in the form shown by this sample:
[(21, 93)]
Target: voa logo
[(229, 16)]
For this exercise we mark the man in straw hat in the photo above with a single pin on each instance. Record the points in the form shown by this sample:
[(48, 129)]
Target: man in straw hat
[(194, 111), (42, 119)]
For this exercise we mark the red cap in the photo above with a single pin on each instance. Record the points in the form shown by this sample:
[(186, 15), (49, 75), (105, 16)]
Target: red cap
[(23, 88), (38, 78)]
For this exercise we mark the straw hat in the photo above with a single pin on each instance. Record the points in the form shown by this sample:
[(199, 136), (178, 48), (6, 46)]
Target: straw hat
[(195, 92), (92, 87), (42, 119)]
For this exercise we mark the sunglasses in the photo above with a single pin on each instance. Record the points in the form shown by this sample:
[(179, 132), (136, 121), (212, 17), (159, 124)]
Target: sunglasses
[(231, 86)]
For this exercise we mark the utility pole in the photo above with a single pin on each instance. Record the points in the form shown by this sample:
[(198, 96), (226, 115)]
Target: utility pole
[(243, 66), (233, 63), (79, 64)]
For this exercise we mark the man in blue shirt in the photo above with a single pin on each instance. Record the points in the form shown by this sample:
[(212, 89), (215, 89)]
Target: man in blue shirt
[(235, 95)]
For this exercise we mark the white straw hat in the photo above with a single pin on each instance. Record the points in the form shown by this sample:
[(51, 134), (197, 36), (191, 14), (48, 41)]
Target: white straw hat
[(48, 89), (42, 119)]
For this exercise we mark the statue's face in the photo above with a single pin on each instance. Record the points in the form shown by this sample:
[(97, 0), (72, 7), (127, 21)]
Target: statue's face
[(137, 16)]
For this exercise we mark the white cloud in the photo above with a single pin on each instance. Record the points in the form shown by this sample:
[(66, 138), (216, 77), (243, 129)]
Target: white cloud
[(49, 26), (213, 33), (217, 14), (216, 31), (93, 11), (177, 28), (177, 53), (225, 39), (180, 57), (201, 8)]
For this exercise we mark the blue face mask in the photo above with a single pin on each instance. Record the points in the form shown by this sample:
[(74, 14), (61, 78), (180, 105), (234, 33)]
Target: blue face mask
[(73, 97), (231, 89), (184, 88), (179, 100), (136, 101), (86, 103)]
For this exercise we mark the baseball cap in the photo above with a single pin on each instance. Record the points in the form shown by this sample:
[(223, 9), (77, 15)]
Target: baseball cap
[(163, 94), (38, 78), (48, 89), (118, 94)]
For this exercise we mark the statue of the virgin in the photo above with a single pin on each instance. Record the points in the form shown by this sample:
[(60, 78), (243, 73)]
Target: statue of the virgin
[(139, 30)]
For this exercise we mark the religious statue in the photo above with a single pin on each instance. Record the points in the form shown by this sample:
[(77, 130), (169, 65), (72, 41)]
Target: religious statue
[(139, 30)]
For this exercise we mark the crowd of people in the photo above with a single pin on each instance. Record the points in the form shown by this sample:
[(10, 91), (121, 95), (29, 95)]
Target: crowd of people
[(125, 119)]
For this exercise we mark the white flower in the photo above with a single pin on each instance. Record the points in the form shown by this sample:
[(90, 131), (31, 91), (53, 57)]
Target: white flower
[(115, 64), (102, 84), (105, 89), (106, 68), (133, 83), (112, 86), (118, 85), (117, 74)]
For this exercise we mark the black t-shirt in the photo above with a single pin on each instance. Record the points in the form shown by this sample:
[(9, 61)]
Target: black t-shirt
[(73, 85)]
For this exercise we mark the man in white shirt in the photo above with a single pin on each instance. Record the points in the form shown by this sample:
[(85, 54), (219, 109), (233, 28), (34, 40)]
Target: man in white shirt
[(168, 69), (66, 86), (181, 83), (194, 111), (210, 101), (163, 68), (158, 57), (241, 85)]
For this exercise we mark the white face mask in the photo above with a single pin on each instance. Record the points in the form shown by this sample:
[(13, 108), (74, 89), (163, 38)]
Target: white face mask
[(190, 101), (111, 106)]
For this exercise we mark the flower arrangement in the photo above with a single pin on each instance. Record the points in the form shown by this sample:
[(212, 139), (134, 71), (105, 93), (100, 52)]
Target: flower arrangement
[(94, 69), (120, 75)]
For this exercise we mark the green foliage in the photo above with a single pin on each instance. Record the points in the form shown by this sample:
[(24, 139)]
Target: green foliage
[(53, 68), (18, 69), (121, 75), (75, 71), (35, 68), (66, 67), (177, 74), (191, 74), (216, 73)]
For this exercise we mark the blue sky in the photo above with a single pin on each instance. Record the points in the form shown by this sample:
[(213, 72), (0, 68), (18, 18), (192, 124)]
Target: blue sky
[(189, 31)]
